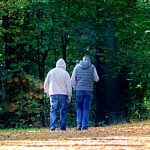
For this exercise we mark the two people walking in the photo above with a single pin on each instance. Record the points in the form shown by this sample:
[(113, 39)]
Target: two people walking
[(58, 86)]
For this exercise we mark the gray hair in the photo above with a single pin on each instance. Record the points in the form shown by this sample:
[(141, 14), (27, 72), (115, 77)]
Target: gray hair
[(86, 58)]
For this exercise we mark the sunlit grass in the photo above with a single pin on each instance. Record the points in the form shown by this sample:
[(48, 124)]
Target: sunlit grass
[(23, 130)]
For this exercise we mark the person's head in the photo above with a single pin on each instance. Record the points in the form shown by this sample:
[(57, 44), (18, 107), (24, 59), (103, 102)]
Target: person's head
[(61, 64), (86, 58)]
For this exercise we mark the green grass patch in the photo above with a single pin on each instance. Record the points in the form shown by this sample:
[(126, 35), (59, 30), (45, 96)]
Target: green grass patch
[(23, 130)]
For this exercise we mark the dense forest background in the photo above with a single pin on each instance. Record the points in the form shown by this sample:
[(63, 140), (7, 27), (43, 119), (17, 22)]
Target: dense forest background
[(34, 34)]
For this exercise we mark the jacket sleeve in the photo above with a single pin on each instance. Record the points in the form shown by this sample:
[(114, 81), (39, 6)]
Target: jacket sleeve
[(46, 84), (73, 79), (68, 84), (96, 77)]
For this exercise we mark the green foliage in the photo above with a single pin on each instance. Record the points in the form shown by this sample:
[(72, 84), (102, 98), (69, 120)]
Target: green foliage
[(91, 124), (71, 112), (130, 59), (35, 34), (102, 123)]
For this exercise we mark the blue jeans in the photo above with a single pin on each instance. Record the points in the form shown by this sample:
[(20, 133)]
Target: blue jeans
[(58, 101), (84, 99)]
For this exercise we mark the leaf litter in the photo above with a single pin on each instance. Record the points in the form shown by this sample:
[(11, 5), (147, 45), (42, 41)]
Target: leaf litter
[(135, 136)]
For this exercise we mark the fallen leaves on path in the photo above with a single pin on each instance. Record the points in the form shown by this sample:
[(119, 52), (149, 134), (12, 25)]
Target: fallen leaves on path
[(119, 137)]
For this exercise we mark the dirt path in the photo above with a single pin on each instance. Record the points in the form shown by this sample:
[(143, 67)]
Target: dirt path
[(120, 137)]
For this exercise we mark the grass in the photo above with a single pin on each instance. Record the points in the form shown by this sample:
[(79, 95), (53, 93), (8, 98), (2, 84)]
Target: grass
[(22, 129), (47, 128)]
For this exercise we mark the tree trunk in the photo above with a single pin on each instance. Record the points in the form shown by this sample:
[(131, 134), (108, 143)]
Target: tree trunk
[(41, 63), (108, 94), (100, 114), (64, 42)]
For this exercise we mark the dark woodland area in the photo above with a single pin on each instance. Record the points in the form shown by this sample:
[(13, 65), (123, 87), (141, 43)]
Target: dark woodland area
[(34, 34)]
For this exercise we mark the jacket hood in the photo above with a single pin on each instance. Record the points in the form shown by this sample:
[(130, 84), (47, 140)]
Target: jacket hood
[(61, 64), (85, 64)]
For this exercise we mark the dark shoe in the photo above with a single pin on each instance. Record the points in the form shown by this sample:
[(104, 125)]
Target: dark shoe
[(52, 129), (78, 128)]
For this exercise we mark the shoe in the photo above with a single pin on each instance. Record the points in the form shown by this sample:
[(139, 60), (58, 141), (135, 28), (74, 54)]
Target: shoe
[(78, 128), (52, 129)]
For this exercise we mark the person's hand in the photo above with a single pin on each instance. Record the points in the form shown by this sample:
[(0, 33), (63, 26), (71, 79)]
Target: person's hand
[(47, 95), (69, 100)]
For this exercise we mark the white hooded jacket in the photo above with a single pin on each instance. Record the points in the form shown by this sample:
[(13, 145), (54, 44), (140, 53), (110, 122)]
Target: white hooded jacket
[(58, 80)]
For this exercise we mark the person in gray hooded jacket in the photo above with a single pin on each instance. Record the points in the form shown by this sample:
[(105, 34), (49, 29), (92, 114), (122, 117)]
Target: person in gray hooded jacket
[(82, 79)]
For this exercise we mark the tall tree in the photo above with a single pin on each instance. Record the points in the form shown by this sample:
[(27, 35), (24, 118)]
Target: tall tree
[(108, 100)]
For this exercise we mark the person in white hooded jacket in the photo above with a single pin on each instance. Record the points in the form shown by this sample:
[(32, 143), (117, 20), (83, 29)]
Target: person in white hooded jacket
[(57, 86)]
